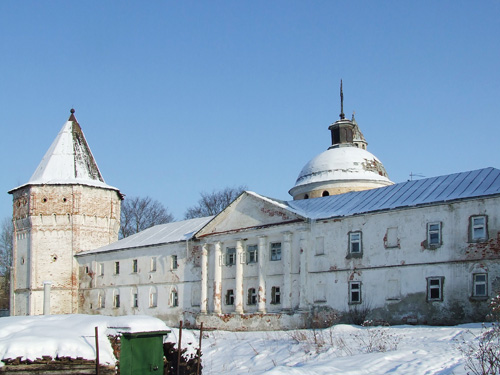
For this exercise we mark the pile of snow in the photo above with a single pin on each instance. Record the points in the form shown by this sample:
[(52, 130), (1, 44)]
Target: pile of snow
[(33, 337)]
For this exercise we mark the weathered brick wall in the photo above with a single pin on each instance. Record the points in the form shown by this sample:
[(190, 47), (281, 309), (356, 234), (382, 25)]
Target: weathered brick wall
[(52, 224)]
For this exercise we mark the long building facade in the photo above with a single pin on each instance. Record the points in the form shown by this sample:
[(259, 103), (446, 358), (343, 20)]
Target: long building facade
[(350, 246)]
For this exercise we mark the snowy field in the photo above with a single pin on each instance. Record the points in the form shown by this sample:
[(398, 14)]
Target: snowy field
[(342, 349)]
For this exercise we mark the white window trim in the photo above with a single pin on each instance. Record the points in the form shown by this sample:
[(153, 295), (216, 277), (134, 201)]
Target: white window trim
[(434, 287), (353, 241), (484, 227), (433, 231), (476, 283), (252, 249), (230, 256), (275, 255), (154, 264)]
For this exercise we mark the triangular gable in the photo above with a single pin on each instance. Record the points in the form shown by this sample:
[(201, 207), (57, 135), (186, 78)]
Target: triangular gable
[(249, 210)]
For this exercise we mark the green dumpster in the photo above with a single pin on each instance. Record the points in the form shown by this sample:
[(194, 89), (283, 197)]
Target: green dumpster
[(142, 353)]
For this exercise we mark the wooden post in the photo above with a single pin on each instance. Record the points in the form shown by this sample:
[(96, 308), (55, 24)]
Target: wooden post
[(199, 350), (97, 351), (179, 349)]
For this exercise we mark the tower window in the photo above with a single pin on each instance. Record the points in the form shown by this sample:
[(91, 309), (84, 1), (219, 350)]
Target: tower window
[(325, 194)]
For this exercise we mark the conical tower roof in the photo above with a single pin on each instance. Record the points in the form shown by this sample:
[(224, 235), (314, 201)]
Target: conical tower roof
[(69, 160)]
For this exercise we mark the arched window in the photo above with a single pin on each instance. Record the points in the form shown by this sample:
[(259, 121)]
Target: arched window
[(306, 196), (174, 298), (326, 194), (153, 297), (135, 297)]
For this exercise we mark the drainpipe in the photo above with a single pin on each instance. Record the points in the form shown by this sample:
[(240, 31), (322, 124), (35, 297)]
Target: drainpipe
[(46, 297)]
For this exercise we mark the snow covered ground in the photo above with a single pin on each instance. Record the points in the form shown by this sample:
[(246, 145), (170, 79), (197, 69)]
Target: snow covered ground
[(342, 349)]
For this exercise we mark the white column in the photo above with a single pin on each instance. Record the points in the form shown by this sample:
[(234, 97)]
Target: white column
[(218, 278), (239, 293), (204, 279), (303, 271), (286, 257), (263, 260), (46, 297)]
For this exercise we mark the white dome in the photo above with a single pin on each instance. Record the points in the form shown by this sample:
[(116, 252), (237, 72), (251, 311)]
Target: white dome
[(341, 165)]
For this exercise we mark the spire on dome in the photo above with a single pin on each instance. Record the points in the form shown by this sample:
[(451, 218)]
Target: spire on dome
[(342, 116)]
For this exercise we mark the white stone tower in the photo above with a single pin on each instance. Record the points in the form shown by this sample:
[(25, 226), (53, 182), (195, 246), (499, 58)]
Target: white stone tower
[(66, 207)]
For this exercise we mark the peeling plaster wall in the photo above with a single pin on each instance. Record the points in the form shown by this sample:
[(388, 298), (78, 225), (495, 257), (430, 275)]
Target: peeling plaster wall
[(314, 271)]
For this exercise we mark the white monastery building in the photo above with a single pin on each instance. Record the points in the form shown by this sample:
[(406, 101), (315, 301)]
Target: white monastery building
[(351, 245)]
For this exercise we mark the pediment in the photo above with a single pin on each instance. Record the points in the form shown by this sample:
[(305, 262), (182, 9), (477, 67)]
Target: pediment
[(249, 210)]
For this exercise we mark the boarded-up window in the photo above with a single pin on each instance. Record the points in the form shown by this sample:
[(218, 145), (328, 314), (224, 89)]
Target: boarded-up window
[(391, 238)]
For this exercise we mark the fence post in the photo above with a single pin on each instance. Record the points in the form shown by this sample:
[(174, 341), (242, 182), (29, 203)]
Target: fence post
[(179, 349)]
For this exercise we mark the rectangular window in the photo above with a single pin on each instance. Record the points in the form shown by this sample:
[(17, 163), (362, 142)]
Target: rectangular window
[(134, 265), (252, 254), (434, 234), (230, 256), (480, 287), (175, 299), (478, 228), (275, 295), (355, 243), (354, 292), (174, 262), (435, 288), (391, 239), (135, 300), (117, 268), (86, 270), (116, 301), (276, 251), (252, 296), (101, 269), (230, 297), (153, 264)]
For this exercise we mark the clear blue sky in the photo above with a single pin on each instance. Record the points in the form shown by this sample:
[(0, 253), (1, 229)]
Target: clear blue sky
[(181, 97)]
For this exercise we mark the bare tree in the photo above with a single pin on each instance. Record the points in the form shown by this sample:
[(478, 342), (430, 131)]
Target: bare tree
[(6, 246), (6, 234), (214, 202), (139, 213)]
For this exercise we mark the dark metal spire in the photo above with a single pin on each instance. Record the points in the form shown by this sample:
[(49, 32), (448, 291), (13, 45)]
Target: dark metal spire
[(342, 116)]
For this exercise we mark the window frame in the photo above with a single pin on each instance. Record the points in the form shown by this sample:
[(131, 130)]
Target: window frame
[(135, 299), (154, 264), (353, 242), (431, 231), (175, 263), (174, 298), (116, 270), (431, 287), (135, 266), (252, 297), (473, 226), (275, 295), (355, 288), (116, 301), (230, 256), (476, 284), (275, 251), (252, 254), (229, 297)]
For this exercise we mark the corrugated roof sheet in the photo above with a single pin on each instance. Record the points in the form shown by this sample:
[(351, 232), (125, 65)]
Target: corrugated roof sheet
[(481, 182), (159, 234)]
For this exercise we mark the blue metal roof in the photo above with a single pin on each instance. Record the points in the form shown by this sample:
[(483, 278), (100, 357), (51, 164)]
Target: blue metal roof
[(464, 185)]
